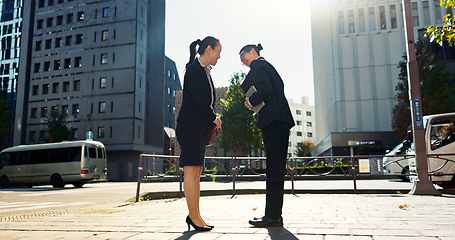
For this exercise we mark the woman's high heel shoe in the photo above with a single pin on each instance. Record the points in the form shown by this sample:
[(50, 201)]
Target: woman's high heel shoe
[(197, 228)]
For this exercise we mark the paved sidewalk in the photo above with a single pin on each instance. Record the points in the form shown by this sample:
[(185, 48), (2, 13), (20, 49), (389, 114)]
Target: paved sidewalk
[(306, 216)]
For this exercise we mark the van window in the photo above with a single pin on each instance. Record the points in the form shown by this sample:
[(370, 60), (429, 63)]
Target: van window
[(92, 152), (442, 132), (100, 152)]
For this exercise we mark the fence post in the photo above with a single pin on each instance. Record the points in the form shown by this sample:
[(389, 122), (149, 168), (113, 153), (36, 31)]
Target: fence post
[(139, 176), (292, 167), (234, 170), (354, 172)]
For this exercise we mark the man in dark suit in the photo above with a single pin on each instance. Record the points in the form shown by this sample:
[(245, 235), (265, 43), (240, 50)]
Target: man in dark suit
[(275, 120)]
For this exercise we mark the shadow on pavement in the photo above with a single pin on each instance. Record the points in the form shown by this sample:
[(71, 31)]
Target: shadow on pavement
[(187, 235), (280, 234)]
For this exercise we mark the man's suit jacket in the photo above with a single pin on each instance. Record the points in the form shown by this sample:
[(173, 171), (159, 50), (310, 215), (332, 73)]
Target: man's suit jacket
[(197, 96), (270, 90)]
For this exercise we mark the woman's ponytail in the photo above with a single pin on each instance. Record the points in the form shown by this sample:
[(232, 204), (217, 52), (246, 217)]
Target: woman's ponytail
[(193, 52)]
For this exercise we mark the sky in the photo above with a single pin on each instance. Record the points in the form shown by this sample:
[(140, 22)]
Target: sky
[(282, 27)]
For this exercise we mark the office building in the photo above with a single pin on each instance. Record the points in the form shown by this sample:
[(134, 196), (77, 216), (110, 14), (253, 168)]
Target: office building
[(305, 126), (103, 64), (357, 46), (10, 32)]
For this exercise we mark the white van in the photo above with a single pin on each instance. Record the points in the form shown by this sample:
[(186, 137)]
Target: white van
[(440, 144), (396, 161)]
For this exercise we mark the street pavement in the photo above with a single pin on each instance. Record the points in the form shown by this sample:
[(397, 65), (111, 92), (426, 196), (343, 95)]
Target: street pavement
[(306, 216)]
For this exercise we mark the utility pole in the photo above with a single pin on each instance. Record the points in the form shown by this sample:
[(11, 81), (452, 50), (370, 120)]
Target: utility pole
[(422, 186)]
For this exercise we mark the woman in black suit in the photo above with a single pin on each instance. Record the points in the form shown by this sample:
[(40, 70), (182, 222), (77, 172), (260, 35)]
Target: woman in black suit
[(196, 115), (275, 120)]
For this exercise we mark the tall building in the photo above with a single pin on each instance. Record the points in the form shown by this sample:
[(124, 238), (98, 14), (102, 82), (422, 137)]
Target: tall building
[(173, 85), (10, 32), (102, 63), (305, 124), (357, 46)]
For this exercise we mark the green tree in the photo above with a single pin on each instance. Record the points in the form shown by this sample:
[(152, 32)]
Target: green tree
[(437, 94), (446, 33), (304, 149), (4, 123), (240, 134), (57, 126)]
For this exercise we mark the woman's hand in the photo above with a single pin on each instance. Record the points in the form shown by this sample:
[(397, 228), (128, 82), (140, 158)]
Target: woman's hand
[(218, 123)]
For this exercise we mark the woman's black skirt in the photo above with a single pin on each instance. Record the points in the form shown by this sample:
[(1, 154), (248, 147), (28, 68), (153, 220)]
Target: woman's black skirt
[(192, 144)]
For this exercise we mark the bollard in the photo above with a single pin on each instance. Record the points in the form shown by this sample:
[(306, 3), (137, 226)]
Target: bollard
[(292, 167), (354, 173), (139, 176)]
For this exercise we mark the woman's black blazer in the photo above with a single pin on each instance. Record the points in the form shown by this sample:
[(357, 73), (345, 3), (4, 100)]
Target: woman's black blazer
[(270, 90), (197, 96)]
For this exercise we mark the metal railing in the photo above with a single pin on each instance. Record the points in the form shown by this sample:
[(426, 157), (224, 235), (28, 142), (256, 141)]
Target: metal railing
[(297, 167)]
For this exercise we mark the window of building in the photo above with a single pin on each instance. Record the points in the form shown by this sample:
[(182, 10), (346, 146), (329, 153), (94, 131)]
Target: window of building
[(69, 18), (56, 64), (393, 16), (299, 134), (79, 38), (65, 109), (308, 113), (382, 18), (59, 20), (43, 112), (340, 22), (351, 21), (77, 85), (49, 22), (67, 63), (74, 133), (372, 19), (415, 14), (75, 109), (41, 3), (105, 12), (68, 40), (104, 35), (426, 12), (80, 16), (437, 12), (34, 113), (309, 134), (39, 24), (35, 90), (104, 58), (299, 123), (112, 106), (66, 87), (298, 112), (50, 2), (173, 93), (309, 124), (38, 45), (48, 44), (45, 89), (168, 91), (100, 132), (37, 67), (103, 82), (102, 107), (58, 42), (47, 66), (32, 136), (78, 62), (55, 87), (60, 1), (361, 20)]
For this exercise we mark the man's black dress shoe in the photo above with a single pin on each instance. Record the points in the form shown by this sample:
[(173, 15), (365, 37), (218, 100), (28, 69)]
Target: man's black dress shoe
[(267, 222)]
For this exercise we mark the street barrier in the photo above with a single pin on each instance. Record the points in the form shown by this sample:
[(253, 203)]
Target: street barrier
[(249, 168)]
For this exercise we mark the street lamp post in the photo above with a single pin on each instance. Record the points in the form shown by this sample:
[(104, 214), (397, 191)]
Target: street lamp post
[(422, 186)]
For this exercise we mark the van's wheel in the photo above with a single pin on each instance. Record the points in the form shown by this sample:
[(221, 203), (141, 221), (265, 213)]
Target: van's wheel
[(4, 182), (57, 181), (405, 171), (29, 185), (78, 184)]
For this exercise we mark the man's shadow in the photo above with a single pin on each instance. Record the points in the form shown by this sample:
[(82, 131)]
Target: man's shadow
[(280, 234)]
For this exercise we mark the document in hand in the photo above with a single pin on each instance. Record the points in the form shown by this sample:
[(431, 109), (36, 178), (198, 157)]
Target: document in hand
[(250, 92)]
